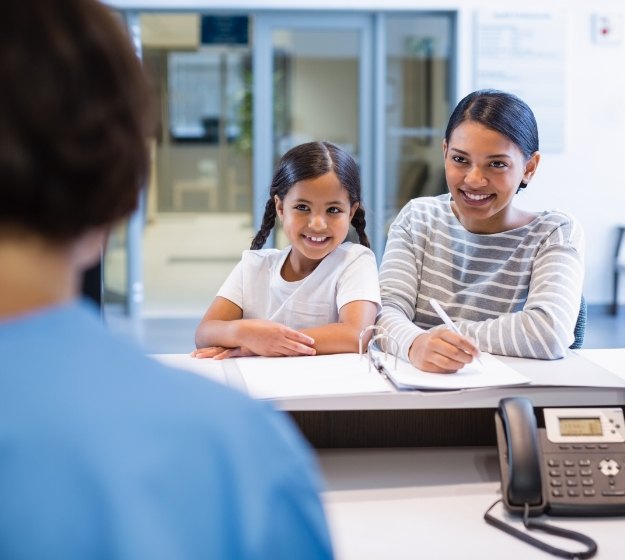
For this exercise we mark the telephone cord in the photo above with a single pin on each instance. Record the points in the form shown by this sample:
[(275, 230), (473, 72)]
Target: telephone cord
[(591, 545)]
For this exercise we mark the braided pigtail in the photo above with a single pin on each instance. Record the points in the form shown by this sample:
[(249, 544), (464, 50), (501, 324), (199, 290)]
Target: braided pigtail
[(359, 223), (269, 221)]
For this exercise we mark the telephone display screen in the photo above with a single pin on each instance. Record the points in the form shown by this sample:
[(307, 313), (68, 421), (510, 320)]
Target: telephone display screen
[(580, 426)]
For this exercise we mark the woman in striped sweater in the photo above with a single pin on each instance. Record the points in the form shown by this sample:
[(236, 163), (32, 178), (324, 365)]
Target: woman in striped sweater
[(510, 279)]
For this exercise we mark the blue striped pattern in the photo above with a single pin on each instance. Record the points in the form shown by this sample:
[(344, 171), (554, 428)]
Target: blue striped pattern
[(516, 293)]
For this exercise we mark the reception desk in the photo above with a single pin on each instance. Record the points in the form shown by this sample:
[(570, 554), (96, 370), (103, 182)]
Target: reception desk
[(409, 480), (425, 418)]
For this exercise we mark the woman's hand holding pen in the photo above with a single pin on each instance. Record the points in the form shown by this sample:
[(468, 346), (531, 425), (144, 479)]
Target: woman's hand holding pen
[(442, 351), (263, 338)]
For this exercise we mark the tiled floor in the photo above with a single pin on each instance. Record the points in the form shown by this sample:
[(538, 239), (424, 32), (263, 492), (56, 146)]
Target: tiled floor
[(175, 335)]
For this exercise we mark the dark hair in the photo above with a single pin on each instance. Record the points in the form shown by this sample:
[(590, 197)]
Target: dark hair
[(74, 117), (500, 111), (309, 161)]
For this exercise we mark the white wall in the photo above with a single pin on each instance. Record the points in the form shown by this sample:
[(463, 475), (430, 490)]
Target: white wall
[(585, 178)]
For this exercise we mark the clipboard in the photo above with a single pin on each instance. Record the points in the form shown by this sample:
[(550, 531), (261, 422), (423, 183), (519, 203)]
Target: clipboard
[(490, 373)]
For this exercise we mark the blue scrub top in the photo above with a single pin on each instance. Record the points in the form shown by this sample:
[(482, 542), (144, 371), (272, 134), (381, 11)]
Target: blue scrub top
[(104, 453)]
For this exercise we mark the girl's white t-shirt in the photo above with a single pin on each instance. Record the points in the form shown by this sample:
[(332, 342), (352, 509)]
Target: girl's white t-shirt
[(349, 273)]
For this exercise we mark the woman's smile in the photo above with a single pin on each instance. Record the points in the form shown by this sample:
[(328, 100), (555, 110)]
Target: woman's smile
[(476, 199)]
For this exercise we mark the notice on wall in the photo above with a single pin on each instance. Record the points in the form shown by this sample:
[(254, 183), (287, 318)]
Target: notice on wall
[(523, 53), (193, 79)]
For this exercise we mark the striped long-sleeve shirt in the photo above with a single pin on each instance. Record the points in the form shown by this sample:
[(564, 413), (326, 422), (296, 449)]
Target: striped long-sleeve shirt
[(515, 293)]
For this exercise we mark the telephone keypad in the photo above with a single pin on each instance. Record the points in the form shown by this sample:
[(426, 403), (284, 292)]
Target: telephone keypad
[(598, 478)]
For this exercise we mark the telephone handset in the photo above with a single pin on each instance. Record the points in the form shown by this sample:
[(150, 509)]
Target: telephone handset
[(569, 461), (521, 476)]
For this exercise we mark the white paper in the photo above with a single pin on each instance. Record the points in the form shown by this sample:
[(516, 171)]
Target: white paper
[(491, 373), (306, 376)]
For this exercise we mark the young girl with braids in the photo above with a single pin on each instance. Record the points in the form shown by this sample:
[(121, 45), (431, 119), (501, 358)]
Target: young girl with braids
[(316, 295)]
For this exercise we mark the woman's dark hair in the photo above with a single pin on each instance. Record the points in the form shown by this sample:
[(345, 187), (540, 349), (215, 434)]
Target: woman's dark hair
[(500, 111), (309, 161), (74, 117)]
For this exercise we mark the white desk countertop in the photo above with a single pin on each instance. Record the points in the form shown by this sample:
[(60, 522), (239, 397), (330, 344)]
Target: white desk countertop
[(603, 368), (612, 359), (427, 503)]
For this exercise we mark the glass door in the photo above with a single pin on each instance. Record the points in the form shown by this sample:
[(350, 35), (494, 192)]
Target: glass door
[(313, 76), (415, 60), (195, 221)]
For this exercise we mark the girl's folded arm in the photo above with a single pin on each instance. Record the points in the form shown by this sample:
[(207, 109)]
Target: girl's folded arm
[(219, 326), (222, 326), (336, 338)]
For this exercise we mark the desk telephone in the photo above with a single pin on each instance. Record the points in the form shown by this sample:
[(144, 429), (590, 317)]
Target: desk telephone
[(569, 462)]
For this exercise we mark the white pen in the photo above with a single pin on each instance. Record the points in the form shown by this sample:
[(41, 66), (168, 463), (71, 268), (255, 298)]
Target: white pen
[(441, 313)]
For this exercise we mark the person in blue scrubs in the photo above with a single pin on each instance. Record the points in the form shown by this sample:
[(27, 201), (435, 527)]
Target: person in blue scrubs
[(105, 453)]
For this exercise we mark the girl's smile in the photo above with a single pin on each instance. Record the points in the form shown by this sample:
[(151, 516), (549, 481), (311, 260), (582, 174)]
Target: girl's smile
[(316, 240)]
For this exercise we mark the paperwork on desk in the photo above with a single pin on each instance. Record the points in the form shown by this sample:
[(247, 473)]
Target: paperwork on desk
[(490, 373), (308, 376), (348, 374)]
